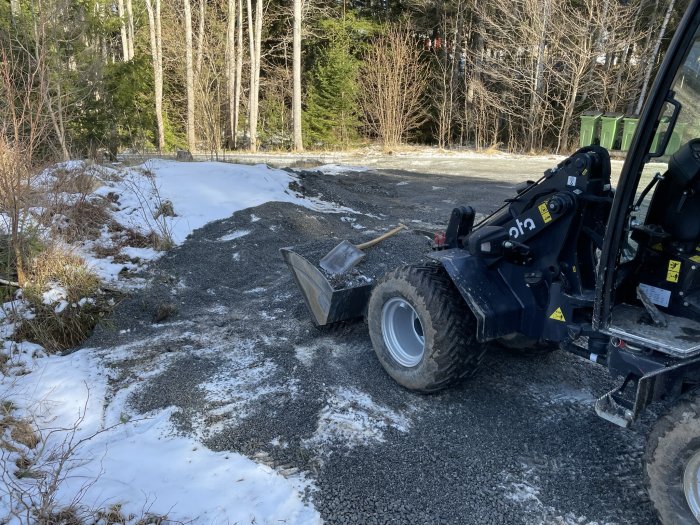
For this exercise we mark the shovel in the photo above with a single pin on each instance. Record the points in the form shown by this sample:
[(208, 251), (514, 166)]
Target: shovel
[(346, 255)]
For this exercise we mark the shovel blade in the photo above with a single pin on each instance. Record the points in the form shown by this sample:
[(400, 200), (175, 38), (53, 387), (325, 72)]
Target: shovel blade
[(342, 258)]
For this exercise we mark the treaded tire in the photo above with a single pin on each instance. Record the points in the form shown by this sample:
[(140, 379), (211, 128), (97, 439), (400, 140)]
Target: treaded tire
[(674, 439), (451, 349)]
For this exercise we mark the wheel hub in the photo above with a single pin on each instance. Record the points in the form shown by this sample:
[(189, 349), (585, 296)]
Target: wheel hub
[(691, 484), (403, 332)]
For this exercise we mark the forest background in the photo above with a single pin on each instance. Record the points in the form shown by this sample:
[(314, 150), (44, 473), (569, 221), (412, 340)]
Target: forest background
[(83, 78)]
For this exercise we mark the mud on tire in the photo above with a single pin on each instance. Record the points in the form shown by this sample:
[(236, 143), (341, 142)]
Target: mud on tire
[(673, 441), (450, 351)]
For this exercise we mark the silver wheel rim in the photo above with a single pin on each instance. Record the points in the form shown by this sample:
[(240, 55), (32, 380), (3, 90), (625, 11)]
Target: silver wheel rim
[(403, 332), (691, 484)]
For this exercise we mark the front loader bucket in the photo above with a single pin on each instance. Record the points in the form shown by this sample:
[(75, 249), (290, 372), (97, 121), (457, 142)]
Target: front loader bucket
[(326, 304)]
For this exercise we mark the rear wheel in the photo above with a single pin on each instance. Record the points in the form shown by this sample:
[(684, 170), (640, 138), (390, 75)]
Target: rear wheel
[(421, 329), (673, 464)]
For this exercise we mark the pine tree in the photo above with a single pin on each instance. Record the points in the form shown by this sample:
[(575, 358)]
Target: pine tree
[(331, 114)]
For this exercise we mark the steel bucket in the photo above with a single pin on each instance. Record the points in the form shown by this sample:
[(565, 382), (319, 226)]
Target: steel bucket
[(326, 304)]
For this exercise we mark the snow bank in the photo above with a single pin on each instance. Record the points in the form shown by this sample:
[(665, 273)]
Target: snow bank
[(202, 192)]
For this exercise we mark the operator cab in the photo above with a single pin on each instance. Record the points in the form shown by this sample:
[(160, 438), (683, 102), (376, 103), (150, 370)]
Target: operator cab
[(656, 300)]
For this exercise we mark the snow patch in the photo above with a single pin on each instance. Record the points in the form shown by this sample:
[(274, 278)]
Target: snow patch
[(350, 417), (337, 169), (140, 464), (305, 354), (234, 235)]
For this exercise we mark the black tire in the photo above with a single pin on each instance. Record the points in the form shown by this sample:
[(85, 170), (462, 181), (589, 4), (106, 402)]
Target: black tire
[(673, 441), (451, 351), (527, 347)]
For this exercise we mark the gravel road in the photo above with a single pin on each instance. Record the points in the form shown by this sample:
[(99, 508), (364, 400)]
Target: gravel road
[(222, 335)]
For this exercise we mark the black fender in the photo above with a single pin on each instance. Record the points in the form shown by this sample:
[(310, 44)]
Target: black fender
[(499, 308)]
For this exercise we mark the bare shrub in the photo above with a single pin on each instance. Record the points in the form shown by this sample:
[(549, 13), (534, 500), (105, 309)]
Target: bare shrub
[(392, 85), (32, 475), (153, 208), (23, 127), (15, 184)]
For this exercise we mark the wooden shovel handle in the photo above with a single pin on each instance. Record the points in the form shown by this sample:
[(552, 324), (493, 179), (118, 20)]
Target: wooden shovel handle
[(379, 239)]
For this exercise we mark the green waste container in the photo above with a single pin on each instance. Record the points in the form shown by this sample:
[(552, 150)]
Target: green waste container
[(676, 140), (659, 133), (589, 125), (629, 127), (610, 123)]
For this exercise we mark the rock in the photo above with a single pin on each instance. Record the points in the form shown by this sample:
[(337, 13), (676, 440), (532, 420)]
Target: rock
[(184, 156)]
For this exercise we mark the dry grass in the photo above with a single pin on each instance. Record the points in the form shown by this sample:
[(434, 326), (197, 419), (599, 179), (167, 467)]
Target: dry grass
[(23, 432), (85, 220), (51, 327), (20, 431)]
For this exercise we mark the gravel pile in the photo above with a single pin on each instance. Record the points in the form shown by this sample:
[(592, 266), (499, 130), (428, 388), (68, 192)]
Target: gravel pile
[(244, 369)]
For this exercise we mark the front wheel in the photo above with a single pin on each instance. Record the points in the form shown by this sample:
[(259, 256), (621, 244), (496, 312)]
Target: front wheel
[(673, 464), (421, 329)]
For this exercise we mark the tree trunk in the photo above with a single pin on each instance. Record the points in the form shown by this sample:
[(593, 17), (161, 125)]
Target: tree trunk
[(623, 66), (157, 59), (200, 36), (231, 79), (536, 94), (189, 70), (58, 127), (123, 31), (296, 103), (652, 58), (254, 38), (239, 73), (130, 28), (563, 139)]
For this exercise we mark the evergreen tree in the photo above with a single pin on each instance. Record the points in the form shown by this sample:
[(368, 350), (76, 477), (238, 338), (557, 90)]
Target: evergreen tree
[(331, 112)]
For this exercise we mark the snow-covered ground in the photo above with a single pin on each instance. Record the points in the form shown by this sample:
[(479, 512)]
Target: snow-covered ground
[(139, 466), (199, 192)]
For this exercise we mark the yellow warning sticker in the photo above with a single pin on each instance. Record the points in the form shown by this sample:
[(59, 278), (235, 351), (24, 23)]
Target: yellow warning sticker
[(584, 172), (695, 258), (544, 211), (558, 315), (658, 247), (674, 271), (574, 268)]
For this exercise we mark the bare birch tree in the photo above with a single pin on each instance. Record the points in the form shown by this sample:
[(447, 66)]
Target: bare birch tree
[(231, 70), (154, 25), (255, 43), (189, 73), (200, 35), (239, 73), (651, 62), (123, 31), (296, 99)]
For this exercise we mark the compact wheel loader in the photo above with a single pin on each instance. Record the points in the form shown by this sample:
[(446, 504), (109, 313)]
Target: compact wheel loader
[(612, 275)]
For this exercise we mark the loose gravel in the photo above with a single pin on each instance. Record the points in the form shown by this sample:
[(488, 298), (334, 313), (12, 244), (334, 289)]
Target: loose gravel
[(246, 371)]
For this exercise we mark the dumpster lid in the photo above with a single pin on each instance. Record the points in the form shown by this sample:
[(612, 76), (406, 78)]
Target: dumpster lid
[(633, 116), (613, 115), (592, 113)]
